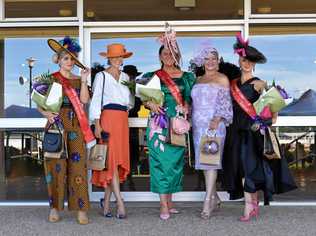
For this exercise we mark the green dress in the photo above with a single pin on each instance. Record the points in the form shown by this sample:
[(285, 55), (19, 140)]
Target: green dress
[(166, 161)]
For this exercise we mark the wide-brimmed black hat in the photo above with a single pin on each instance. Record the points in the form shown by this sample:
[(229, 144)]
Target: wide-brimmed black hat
[(131, 70), (252, 54)]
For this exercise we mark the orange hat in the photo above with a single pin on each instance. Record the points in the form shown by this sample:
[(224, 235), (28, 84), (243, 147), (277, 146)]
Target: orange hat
[(116, 50)]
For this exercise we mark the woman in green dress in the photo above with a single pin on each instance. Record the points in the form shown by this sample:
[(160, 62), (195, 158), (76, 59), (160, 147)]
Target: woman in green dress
[(167, 160)]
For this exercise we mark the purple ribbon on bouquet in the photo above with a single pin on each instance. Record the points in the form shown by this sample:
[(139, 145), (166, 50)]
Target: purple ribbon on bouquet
[(161, 120), (41, 88)]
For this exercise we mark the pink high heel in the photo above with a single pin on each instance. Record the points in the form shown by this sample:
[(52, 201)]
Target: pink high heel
[(164, 216), (254, 213)]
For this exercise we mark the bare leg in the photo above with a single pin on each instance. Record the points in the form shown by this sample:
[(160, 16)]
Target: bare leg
[(107, 199), (115, 185), (210, 199), (164, 210)]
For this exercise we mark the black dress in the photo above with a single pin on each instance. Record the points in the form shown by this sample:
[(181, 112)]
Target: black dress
[(243, 156)]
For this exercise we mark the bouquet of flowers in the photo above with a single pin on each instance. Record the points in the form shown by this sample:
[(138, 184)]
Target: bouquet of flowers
[(46, 93), (271, 101), (150, 90)]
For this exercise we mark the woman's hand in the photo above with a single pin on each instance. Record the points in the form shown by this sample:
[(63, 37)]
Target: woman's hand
[(214, 123), (50, 116), (154, 107), (98, 130), (84, 75)]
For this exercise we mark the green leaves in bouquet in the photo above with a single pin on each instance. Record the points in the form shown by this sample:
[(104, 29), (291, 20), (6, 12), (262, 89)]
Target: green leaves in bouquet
[(131, 85), (45, 78)]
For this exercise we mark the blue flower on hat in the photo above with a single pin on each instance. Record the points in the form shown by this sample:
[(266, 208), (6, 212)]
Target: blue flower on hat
[(75, 157), (71, 44)]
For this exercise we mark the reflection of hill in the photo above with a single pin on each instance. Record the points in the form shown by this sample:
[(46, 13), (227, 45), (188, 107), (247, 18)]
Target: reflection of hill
[(304, 106), (15, 111)]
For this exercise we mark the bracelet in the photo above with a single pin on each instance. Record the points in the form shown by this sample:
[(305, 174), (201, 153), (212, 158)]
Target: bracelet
[(84, 82)]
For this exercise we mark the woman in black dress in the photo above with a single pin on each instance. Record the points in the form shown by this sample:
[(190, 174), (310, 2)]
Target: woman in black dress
[(246, 170)]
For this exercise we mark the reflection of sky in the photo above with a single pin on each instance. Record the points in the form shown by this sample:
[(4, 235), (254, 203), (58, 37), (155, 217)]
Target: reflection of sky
[(290, 59)]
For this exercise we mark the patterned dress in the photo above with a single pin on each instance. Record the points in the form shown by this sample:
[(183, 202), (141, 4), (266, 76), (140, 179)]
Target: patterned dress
[(71, 172), (209, 101), (166, 160)]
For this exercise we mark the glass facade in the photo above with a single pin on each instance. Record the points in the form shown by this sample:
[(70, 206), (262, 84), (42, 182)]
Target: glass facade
[(99, 10), (288, 47), (25, 9), (283, 7)]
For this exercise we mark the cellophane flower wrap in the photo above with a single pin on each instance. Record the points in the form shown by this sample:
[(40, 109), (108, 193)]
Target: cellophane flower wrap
[(46, 93), (274, 99)]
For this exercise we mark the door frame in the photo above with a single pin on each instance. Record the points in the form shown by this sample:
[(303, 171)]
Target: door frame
[(153, 27)]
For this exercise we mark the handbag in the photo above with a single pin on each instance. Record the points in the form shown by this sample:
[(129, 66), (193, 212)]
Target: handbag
[(210, 151), (180, 124), (53, 143), (271, 148), (98, 157), (98, 153)]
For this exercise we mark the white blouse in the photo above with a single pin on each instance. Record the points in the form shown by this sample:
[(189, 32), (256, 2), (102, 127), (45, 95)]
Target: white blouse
[(114, 92)]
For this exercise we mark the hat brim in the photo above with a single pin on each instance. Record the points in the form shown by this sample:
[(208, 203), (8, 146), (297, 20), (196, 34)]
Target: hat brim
[(125, 55), (57, 47)]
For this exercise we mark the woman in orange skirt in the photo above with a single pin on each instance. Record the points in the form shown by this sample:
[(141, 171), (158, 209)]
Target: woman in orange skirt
[(109, 110)]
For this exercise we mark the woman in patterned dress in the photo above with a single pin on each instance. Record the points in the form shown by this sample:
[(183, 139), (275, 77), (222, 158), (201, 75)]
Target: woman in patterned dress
[(72, 171), (211, 110)]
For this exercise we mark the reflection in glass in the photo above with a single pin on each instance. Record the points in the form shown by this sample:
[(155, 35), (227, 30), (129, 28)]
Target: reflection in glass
[(111, 10), (145, 58), (283, 7), (21, 9)]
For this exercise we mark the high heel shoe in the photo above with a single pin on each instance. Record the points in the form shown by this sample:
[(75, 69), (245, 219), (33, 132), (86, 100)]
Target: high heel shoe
[(172, 210), (254, 213), (121, 216), (164, 215), (106, 214), (206, 212), (53, 216), (82, 218)]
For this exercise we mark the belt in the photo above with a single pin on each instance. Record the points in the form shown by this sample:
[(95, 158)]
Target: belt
[(112, 106)]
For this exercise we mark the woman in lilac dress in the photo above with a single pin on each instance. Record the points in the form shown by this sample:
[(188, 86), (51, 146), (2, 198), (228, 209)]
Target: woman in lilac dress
[(211, 110)]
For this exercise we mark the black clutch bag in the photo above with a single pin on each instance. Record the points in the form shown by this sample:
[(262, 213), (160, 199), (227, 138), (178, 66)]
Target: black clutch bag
[(53, 140)]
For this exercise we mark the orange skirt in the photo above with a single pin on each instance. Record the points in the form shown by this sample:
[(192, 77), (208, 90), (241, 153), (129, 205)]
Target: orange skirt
[(114, 122)]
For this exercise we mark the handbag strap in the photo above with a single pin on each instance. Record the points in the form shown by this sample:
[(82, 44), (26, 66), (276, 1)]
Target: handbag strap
[(102, 90)]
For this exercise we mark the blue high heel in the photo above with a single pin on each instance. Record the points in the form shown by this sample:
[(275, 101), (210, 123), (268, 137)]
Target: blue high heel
[(105, 214)]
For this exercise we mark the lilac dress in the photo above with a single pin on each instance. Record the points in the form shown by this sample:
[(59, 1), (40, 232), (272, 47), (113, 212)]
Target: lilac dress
[(208, 101)]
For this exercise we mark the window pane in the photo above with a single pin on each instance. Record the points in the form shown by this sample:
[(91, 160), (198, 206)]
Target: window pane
[(21, 159), (283, 7), (118, 10), (53, 8), (145, 58), (291, 63)]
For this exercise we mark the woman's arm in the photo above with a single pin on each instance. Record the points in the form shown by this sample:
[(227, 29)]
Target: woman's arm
[(50, 116), (84, 92)]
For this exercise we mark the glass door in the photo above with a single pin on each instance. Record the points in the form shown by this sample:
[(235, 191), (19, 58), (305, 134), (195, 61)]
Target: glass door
[(145, 48)]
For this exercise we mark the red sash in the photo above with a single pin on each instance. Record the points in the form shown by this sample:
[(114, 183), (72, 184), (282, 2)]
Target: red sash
[(80, 113), (172, 86), (242, 100)]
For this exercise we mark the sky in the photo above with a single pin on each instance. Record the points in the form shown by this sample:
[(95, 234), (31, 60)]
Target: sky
[(291, 59)]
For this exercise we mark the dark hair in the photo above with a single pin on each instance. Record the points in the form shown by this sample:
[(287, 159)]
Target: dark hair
[(160, 51), (252, 54), (96, 68)]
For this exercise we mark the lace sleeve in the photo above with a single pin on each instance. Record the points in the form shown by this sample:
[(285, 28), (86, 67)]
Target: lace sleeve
[(224, 107)]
